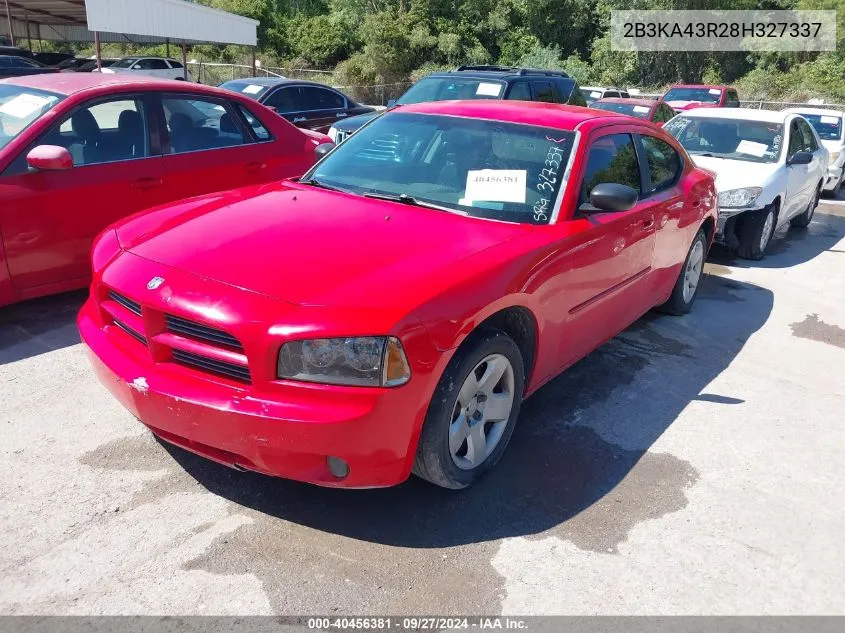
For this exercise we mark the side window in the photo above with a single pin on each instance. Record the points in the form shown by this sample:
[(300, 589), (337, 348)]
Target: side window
[(796, 140), (151, 64), (809, 144), (611, 159), (322, 99), (261, 132), (664, 163), (520, 91), (732, 99), (576, 97), (543, 91), (198, 124), (106, 132), (668, 113), (624, 94), (286, 100), (174, 64), (610, 93)]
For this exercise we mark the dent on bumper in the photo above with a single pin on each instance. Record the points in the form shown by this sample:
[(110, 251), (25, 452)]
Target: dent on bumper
[(374, 430)]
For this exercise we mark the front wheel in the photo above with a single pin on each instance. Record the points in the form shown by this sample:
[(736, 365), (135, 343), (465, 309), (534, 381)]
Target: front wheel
[(755, 232), (803, 221), (473, 412), (686, 287)]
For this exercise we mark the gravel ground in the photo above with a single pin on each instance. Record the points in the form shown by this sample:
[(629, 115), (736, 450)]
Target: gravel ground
[(692, 465)]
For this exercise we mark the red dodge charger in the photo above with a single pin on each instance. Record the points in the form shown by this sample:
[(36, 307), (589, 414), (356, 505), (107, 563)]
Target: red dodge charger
[(388, 312)]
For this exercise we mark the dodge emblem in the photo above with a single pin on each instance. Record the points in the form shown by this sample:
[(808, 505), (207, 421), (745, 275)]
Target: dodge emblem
[(154, 283)]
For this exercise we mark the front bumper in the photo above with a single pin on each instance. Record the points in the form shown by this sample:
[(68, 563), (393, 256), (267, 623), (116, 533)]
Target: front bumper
[(832, 178), (726, 224), (288, 433)]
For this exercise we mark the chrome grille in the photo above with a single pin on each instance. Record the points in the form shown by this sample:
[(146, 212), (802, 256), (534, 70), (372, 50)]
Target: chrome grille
[(136, 335), (219, 367), (127, 303), (194, 330)]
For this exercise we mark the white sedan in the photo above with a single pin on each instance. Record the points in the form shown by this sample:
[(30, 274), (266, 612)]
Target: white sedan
[(161, 67), (830, 126), (770, 168)]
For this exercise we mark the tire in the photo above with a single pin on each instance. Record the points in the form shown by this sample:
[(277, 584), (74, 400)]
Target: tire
[(683, 296), (442, 431), (803, 221), (754, 236)]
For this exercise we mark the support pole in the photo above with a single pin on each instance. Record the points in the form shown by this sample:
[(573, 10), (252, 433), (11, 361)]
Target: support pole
[(253, 62), (9, 19), (167, 43), (97, 51), (28, 36), (185, 61)]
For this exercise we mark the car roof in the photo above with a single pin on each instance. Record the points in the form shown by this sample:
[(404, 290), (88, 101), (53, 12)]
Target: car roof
[(71, 83), (746, 114), (811, 110), (499, 75), (528, 112), (630, 101), (277, 81), (715, 86)]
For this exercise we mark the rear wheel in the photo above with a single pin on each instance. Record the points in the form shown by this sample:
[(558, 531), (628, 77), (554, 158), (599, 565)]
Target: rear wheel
[(803, 221), (686, 287), (755, 232), (473, 412)]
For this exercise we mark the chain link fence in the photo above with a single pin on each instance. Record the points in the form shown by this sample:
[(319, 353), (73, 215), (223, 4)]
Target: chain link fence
[(214, 74), (783, 105)]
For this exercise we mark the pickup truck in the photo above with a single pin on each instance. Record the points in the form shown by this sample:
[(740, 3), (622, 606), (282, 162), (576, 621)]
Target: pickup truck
[(14, 66)]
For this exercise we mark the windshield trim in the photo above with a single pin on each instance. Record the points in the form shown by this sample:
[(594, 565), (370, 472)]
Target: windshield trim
[(565, 177)]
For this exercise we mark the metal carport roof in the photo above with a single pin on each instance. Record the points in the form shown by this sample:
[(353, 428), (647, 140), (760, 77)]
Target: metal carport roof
[(135, 21)]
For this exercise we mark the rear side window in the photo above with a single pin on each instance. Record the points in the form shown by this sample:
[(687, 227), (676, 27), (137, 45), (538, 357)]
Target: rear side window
[(732, 99), (664, 163), (261, 132), (198, 124), (611, 159), (543, 91), (286, 100), (576, 97), (322, 99), (152, 64), (519, 91), (610, 93), (174, 64)]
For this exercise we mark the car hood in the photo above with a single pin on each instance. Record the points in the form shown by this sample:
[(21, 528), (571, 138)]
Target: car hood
[(733, 174), (353, 123), (689, 105), (309, 246)]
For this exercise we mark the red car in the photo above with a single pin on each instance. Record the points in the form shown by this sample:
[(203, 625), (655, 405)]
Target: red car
[(389, 312), (80, 151), (652, 110), (689, 96)]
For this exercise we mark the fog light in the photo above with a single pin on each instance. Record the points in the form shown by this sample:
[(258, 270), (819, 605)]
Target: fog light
[(338, 467)]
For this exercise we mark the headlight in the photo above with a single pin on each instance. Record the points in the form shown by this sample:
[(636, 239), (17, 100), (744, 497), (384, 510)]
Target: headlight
[(332, 134), (744, 197), (833, 157), (366, 361)]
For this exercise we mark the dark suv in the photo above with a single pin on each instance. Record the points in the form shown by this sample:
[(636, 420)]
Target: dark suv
[(479, 82)]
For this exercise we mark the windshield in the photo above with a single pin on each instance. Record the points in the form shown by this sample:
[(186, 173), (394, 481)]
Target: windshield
[(701, 95), (752, 141), (590, 96), (631, 109), (448, 88), (19, 108), (486, 169), (125, 63), (245, 88), (828, 126)]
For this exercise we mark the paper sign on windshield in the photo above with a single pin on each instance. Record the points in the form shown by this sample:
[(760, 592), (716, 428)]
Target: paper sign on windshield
[(595, 94), (488, 90), (831, 120), (714, 91), (252, 89), (24, 105), (496, 185), (754, 149), (642, 109)]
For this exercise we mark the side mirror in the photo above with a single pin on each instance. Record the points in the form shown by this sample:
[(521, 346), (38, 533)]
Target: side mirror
[(49, 158), (322, 149), (391, 103), (800, 158), (609, 196)]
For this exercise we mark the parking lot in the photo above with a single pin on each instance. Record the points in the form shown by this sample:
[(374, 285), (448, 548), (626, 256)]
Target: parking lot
[(692, 465)]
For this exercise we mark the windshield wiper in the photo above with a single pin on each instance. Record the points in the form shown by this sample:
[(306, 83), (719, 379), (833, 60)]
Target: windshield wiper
[(318, 183), (708, 154), (404, 198)]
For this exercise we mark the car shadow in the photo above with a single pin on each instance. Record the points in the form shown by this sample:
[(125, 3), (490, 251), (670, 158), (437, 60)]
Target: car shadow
[(577, 439), (790, 246), (38, 326)]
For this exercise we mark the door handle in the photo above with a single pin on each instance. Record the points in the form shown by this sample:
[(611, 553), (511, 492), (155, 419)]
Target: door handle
[(298, 119), (147, 183), (340, 115), (255, 166)]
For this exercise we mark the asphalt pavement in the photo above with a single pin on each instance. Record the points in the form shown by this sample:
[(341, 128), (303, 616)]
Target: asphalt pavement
[(692, 465)]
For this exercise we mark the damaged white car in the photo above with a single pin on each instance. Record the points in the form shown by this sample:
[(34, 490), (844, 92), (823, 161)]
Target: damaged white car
[(770, 168)]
